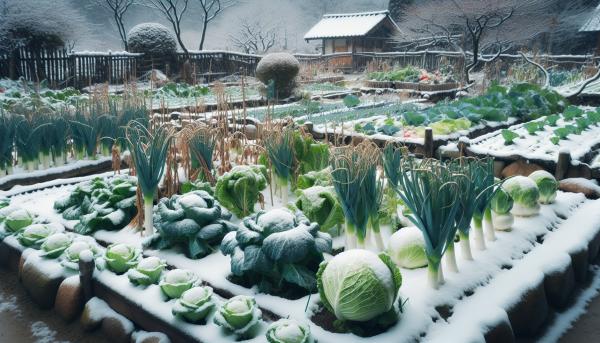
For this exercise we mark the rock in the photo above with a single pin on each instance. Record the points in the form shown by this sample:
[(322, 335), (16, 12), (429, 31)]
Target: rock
[(149, 337), (559, 286), (41, 282), (528, 315), (94, 312), (117, 328), (580, 262), (520, 167), (501, 332), (69, 298), (579, 185), (594, 248)]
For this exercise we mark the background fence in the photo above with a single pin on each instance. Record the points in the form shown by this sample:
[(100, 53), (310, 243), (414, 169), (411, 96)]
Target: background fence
[(80, 69)]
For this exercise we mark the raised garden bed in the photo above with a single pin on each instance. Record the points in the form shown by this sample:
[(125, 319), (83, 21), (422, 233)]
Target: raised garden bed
[(414, 86), (507, 293), (569, 143)]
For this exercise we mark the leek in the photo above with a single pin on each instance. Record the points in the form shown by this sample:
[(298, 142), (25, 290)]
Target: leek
[(149, 152), (279, 145)]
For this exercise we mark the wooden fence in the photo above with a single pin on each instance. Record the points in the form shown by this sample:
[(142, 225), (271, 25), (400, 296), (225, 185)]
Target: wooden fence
[(80, 69)]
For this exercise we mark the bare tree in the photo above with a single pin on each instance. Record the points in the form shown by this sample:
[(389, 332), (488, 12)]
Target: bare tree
[(478, 26), (255, 37), (118, 8), (210, 10), (173, 11)]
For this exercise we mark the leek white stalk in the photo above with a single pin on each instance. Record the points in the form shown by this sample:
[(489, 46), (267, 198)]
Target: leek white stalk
[(450, 258), (488, 226), (148, 223), (478, 234), (465, 247)]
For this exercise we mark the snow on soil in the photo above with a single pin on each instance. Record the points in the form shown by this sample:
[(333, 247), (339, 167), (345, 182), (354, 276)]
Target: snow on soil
[(43, 334), (20, 174), (537, 146), (484, 276)]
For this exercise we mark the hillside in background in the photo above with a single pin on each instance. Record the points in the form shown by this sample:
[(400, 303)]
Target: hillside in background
[(291, 18)]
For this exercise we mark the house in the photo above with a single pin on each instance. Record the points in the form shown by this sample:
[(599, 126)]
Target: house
[(353, 33), (591, 28)]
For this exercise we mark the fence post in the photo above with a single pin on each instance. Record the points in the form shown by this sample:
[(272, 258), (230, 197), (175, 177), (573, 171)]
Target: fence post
[(428, 145), (86, 272), (563, 164)]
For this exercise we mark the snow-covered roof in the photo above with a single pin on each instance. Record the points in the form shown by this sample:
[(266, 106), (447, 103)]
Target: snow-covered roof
[(593, 23), (347, 25)]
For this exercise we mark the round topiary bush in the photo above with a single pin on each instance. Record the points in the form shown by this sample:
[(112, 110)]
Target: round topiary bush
[(151, 39), (280, 67)]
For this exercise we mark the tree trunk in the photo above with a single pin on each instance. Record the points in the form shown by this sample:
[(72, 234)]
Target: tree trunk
[(203, 37)]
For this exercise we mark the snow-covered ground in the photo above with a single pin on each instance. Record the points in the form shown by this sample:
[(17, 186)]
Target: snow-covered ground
[(493, 287)]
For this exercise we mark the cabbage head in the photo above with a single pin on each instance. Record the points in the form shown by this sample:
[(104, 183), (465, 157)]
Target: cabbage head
[(56, 244), (277, 250), (177, 281), (358, 285), (238, 315), (525, 195), (121, 257), (147, 271), (239, 189), (502, 202), (407, 248), (195, 304), (547, 185), (288, 331), (74, 251), (320, 205), (35, 234), (17, 220)]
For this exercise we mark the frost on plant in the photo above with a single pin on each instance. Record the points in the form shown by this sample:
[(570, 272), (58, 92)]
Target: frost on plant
[(195, 304), (100, 204), (358, 285), (121, 257), (278, 251), (407, 248), (320, 205), (194, 221), (177, 281), (525, 195), (238, 315), (147, 271), (547, 185), (288, 331), (239, 189)]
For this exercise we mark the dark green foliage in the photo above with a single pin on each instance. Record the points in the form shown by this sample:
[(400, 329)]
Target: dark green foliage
[(278, 251), (194, 222), (100, 204)]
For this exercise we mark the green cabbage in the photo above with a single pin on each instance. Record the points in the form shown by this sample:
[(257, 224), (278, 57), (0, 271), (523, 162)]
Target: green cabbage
[(407, 248), (358, 285), (177, 281), (100, 204), (288, 331), (194, 221), (320, 205), (238, 315), (121, 257), (18, 219), (239, 189), (315, 178), (35, 234), (525, 195), (73, 252), (56, 244), (547, 185), (502, 202), (277, 250), (194, 304), (147, 271)]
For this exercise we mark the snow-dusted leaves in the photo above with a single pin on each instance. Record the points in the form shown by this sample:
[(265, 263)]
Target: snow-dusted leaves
[(277, 250)]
